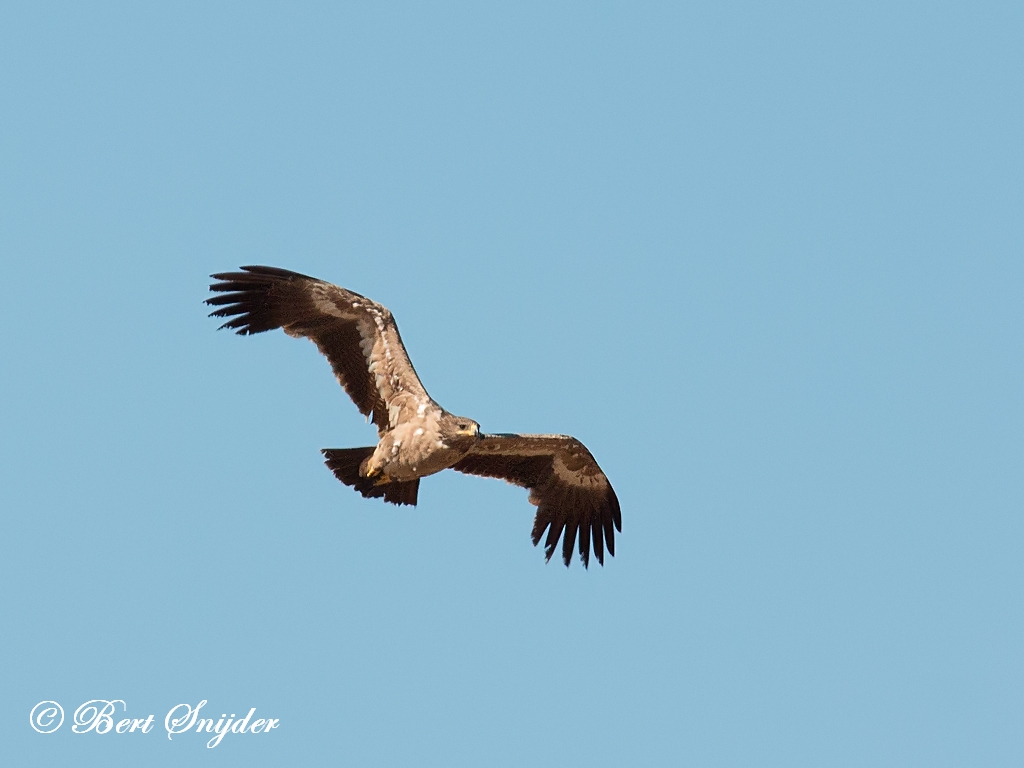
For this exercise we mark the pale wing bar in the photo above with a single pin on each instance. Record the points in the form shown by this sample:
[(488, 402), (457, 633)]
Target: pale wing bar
[(566, 484), (357, 336)]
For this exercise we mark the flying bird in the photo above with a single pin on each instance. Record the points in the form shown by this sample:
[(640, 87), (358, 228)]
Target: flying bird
[(417, 437)]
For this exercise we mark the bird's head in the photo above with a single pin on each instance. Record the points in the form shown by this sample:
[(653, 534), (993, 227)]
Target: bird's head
[(466, 427), (459, 428)]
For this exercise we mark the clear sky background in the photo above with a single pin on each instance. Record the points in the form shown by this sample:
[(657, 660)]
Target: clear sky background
[(765, 260)]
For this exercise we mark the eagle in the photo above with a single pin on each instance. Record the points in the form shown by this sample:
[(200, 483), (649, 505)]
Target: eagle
[(416, 436)]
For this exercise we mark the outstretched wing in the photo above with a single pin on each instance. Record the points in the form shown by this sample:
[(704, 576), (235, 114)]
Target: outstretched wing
[(566, 484), (358, 336)]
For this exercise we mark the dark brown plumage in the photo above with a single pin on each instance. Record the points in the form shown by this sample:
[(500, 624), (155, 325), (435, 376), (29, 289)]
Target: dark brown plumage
[(569, 489), (417, 436)]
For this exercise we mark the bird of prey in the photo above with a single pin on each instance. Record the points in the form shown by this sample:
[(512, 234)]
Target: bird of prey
[(417, 437)]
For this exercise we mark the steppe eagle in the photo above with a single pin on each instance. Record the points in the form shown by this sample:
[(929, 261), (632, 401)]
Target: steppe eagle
[(417, 437)]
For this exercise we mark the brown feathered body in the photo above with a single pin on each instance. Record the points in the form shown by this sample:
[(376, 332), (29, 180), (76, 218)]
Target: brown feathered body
[(416, 436)]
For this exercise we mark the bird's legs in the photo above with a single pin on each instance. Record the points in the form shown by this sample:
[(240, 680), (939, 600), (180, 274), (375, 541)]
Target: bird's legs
[(379, 478), (373, 472)]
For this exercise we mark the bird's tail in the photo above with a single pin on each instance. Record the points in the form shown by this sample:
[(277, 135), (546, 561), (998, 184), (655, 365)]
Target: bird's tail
[(345, 464)]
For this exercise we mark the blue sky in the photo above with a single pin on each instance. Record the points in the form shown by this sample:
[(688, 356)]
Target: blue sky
[(764, 260)]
